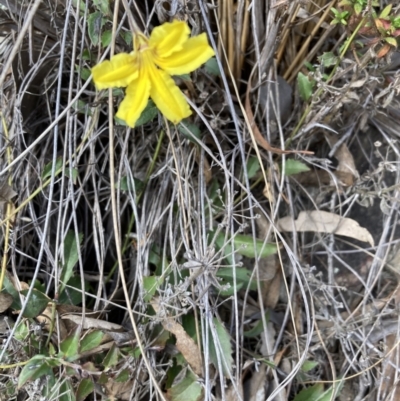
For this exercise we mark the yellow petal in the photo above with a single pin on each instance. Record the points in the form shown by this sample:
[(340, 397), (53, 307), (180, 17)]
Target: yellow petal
[(167, 96), (120, 71), (195, 52), (135, 101), (169, 37)]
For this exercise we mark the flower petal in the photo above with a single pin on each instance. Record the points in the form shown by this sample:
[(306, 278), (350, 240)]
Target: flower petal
[(195, 52), (169, 37), (121, 70), (135, 101), (167, 96)]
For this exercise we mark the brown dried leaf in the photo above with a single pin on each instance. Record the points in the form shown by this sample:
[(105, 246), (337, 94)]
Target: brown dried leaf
[(6, 192), (184, 343), (5, 301), (92, 323), (346, 170), (325, 222)]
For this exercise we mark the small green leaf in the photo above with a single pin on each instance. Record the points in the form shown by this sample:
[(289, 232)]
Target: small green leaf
[(70, 346), (188, 389), (358, 9), (95, 23), (102, 5), (189, 130), (391, 41), (150, 285), (184, 77), (309, 365), (305, 86), (10, 289), (310, 393), (70, 295), (36, 303), (49, 166), (220, 348), (91, 340), (212, 67), (85, 388), (66, 392), (21, 332), (243, 278), (136, 184), (111, 358), (71, 257), (106, 38), (386, 11), (127, 36), (244, 245), (258, 328), (123, 376), (148, 114), (293, 166), (328, 59), (36, 367), (252, 167)]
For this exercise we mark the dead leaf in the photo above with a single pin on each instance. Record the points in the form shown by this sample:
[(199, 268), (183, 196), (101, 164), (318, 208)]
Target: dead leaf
[(45, 319), (256, 386), (119, 391), (6, 192), (184, 343), (325, 222), (5, 301), (92, 323), (346, 170)]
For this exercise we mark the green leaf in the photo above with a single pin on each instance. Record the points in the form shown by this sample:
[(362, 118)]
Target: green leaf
[(189, 130), (71, 257), (9, 288), (127, 36), (244, 245), (106, 38), (305, 86), (84, 73), (91, 340), (309, 365), (293, 166), (148, 114), (111, 358), (258, 328), (136, 184), (102, 5), (386, 11), (21, 332), (243, 279), (36, 367), (85, 388), (49, 166), (328, 59), (391, 41), (123, 376), (358, 9), (70, 346), (95, 23), (70, 296), (66, 392), (188, 389), (36, 303), (212, 67), (150, 285), (252, 167), (220, 348), (310, 393)]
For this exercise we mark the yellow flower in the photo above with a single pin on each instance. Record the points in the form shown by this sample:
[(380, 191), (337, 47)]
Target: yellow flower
[(146, 72)]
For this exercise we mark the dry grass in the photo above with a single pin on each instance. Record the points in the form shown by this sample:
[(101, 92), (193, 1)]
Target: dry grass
[(157, 202)]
